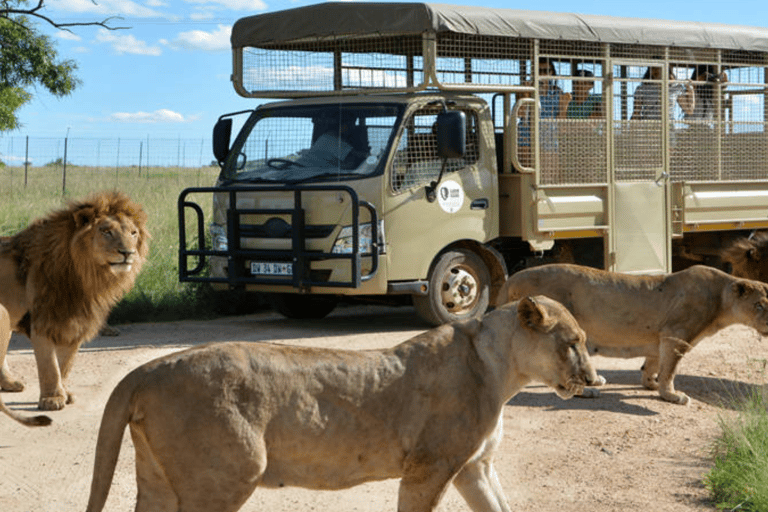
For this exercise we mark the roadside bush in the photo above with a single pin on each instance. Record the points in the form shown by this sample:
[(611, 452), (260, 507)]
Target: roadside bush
[(739, 479)]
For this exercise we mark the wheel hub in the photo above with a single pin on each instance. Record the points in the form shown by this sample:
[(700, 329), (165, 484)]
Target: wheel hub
[(459, 291)]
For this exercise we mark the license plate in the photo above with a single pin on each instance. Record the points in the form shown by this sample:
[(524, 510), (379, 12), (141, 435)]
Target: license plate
[(269, 268)]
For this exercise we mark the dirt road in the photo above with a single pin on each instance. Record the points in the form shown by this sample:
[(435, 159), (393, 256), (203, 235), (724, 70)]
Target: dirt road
[(625, 451)]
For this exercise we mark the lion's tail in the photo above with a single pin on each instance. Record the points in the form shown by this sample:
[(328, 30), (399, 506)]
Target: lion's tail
[(117, 414), (30, 421)]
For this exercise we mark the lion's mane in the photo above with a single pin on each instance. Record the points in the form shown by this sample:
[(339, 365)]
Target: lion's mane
[(72, 294), (748, 256)]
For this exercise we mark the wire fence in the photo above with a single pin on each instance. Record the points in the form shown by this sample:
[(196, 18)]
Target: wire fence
[(29, 160), (105, 153)]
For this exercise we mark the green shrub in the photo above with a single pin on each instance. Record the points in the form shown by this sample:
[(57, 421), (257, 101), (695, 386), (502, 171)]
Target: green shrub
[(739, 478)]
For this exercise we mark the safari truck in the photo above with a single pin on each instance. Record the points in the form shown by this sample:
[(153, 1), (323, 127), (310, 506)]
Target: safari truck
[(425, 150)]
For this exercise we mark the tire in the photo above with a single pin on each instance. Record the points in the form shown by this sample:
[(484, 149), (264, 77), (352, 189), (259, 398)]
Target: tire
[(303, 307), (459, 289)]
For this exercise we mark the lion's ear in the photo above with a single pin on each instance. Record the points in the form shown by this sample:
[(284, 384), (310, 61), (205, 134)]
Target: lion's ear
[(742, 288), (84, 216), (753, 254), (530, 313)]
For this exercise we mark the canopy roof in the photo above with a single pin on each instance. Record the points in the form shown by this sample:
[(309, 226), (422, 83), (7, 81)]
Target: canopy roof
[(392, 19)]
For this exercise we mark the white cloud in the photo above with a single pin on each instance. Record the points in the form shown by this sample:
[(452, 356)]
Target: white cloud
[(69, 36), (106, 7), (200, 40), (123, 43), (158, 116)]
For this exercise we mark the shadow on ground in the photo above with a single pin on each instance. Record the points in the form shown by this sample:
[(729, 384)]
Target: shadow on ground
[(625, 395)]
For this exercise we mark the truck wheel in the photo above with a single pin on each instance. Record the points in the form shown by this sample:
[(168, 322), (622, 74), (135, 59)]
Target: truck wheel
[(459, 289), (303, 307)]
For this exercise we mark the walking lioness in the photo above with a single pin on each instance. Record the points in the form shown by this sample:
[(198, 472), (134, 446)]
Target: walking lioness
[(212, 423), (659, 317)]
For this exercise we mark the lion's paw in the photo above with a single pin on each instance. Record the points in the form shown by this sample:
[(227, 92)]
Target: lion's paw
[(13, 386), (676, 398), (52, 403), (651, 383)]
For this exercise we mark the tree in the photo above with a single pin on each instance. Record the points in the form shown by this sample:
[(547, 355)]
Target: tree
[(29, 58)]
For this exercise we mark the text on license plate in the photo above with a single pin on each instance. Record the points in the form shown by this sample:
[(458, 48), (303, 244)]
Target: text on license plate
[(271, 268)]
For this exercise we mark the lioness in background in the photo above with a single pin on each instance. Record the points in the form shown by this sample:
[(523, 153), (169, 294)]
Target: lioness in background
[(659, 317), (212, 423)]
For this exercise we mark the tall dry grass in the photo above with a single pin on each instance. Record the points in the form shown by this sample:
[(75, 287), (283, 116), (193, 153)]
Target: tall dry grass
[(157, 295)]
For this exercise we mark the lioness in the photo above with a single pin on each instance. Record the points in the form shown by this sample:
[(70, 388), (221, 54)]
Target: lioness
[(428, 411), (660, 317)]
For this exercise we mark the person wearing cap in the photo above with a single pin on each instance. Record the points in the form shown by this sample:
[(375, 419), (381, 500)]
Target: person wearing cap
[(705, 80)]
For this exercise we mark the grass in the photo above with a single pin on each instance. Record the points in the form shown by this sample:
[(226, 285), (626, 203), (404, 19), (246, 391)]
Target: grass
[(738, 480), (157, 295)]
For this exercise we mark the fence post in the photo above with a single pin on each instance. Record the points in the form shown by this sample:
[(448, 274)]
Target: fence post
[(141, 151), (64, 171), (26, 162), (117, 163)]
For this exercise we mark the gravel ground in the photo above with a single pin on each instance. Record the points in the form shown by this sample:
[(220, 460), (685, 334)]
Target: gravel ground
[(625, 451)]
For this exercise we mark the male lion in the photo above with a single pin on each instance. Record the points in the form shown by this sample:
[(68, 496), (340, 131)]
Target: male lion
[(748, 256), (660, 317), (59, 278), (428, 411)]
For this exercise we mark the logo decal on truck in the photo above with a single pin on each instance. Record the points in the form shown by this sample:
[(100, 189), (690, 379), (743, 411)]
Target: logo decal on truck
[(450, 196)]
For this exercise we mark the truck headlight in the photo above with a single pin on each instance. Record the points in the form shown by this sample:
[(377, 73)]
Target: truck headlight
[(219, 238), (343, 243)]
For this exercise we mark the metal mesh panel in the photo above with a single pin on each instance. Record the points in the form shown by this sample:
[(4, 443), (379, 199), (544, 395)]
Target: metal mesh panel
[(416, 161), (334, 65), (572, 126), (729, 142), (481, 60), (583, 147), (638, 150)]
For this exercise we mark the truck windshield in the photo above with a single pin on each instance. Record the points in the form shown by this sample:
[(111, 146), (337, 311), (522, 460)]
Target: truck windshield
[(314, 143)]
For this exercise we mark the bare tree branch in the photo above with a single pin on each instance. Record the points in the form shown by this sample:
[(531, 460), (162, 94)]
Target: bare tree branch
[(6, 11)]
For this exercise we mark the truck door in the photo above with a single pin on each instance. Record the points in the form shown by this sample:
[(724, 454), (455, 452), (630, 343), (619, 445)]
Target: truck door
[(463, 207), (641, 226)]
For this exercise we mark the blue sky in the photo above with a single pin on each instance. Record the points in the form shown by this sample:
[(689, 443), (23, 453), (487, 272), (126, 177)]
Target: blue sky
[(167, 76)]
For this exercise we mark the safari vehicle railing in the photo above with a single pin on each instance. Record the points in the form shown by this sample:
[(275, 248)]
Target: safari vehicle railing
[(288, 267)]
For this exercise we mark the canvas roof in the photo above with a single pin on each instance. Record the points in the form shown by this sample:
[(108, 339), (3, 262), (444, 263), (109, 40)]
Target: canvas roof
[(364, 18)]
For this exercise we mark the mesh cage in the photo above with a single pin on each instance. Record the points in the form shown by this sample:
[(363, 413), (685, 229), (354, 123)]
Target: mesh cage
[(334, 65), (722, 137), (481, 61)]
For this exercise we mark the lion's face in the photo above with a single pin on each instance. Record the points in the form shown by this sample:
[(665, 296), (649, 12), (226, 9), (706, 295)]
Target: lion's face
[(749, 302), (109, 240), (114, 243), (749, 257), (556, 345)]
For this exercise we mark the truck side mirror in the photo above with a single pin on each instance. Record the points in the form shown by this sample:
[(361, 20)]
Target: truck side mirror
[(451, 134), (222, 132)]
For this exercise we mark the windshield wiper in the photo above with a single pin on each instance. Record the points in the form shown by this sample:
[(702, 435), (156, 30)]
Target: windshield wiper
[(231, 181), (321, 176)]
